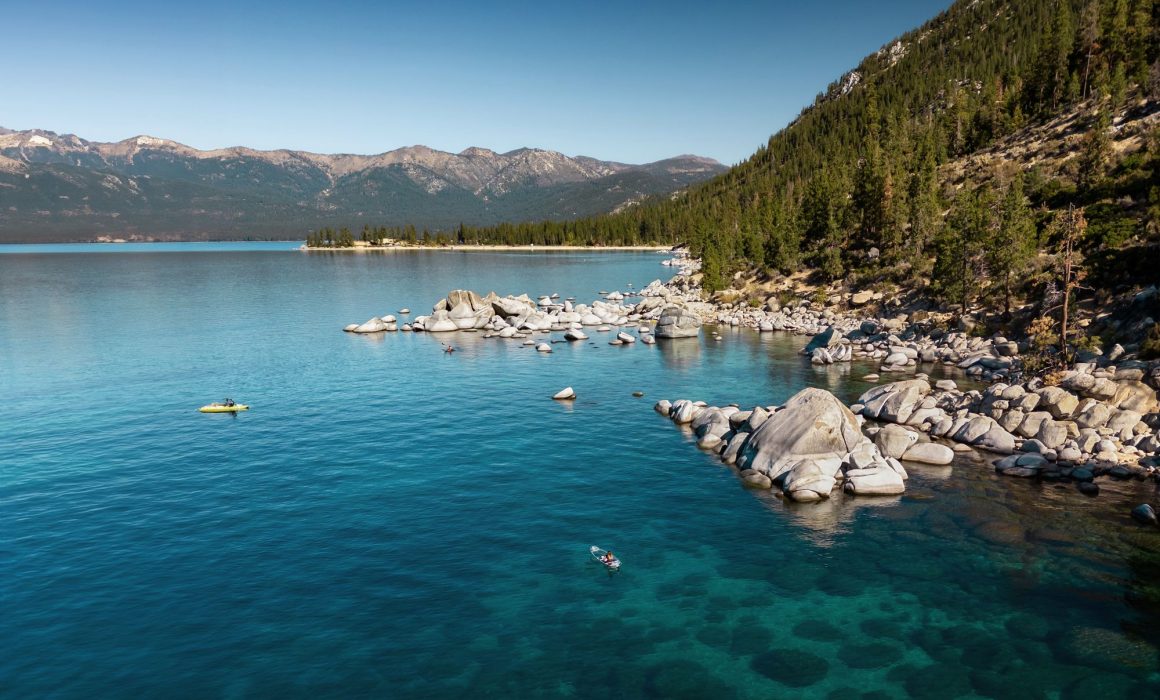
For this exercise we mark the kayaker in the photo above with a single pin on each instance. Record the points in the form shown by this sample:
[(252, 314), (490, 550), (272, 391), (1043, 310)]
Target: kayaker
[(609, 558), (230, 402)]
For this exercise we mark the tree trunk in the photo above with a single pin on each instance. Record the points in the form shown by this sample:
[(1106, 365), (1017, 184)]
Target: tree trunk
[(1069, 233), (963, 281), (1007, 294), (1066, 302)]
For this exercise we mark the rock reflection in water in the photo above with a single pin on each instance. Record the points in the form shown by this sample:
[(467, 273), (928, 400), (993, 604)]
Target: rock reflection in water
[(680, 354)]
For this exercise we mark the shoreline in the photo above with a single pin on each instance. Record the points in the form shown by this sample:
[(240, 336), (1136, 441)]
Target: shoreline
[(1098, 418), (465, 248)]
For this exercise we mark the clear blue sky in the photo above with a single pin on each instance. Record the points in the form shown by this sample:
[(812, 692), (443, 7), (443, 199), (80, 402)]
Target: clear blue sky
[(628, 81)]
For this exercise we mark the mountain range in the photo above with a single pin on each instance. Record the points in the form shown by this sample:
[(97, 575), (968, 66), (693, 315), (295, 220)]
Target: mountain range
[(56, 187)]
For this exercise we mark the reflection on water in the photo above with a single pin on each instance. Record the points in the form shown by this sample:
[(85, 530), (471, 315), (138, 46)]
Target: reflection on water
[(680, 354)]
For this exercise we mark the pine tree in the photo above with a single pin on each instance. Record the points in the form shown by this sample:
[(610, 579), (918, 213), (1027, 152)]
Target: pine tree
[(1141, 39), (869, 198), (924, 209), (1054, 63), (820, 215), (1093, 153), (1013, 244), (960, 263)]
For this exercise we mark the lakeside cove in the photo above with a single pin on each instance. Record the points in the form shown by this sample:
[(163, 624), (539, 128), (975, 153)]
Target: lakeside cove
[(1101, 418)]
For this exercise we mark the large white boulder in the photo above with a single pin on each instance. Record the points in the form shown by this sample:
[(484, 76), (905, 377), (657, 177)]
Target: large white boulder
[(462, 315), (894, 402), (812, 424), (374, 325), (894, 440), (510, 307), (929, 453), (881, 480), (684, 411), (439, 322), (676, 322)]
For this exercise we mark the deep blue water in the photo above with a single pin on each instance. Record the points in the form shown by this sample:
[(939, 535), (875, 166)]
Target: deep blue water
[(390, 521)]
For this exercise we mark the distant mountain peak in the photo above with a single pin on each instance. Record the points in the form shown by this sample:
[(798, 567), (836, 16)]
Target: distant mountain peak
[(151, 185), (151, 141), (477, 152)]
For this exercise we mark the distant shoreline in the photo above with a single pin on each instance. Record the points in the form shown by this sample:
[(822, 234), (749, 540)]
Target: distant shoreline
[(489, 247)]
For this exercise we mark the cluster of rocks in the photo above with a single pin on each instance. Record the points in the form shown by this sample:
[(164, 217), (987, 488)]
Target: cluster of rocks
[(1085, 423), (806, 447), (986, 358), (686, 264), (376, 324), (520, 316), (945, 414), (1104, 428), (799, 317)]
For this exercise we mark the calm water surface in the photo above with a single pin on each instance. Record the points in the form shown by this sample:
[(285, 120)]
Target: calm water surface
[(390, 521)]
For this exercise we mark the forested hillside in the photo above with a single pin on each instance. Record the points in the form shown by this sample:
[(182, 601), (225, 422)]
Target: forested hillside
[(944, 162)]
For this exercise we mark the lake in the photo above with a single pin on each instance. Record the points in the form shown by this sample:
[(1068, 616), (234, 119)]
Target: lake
[(392, 521)]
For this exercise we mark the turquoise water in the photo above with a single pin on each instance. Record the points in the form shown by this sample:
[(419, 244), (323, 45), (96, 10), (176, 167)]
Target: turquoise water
[(391, 521)]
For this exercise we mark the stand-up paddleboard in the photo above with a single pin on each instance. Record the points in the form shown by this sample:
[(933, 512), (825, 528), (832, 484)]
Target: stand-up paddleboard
[(598, 555), (223, 408)]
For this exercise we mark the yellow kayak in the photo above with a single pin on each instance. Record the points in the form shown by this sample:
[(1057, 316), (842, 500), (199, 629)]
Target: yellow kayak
[(222, 408)]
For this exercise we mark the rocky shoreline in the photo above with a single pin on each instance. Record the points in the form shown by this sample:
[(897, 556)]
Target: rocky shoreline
[(1100, 418), (661, 312)]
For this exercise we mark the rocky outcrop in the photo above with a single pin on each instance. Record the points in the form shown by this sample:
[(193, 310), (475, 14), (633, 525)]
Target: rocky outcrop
[(1051, 431), (678, 322), (910, 403), (806, 447), (518, 317), (377, 324)]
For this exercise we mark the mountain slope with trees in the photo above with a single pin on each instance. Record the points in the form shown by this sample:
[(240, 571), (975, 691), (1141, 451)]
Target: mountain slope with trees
[(946, 164)]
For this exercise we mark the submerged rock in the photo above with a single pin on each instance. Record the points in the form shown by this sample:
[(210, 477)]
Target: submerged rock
[(791, 667), (1145, 513)]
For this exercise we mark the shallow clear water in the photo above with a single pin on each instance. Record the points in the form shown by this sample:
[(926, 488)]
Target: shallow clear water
[(391, 521)]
